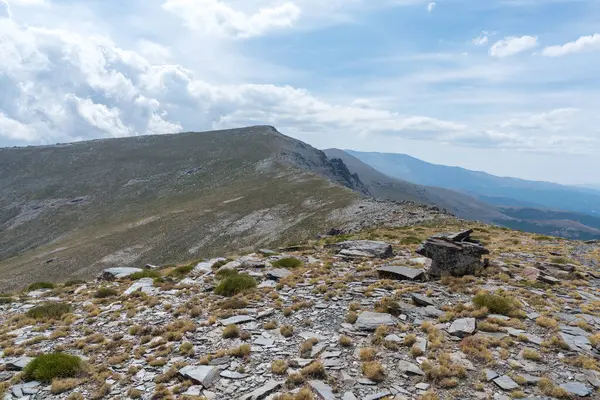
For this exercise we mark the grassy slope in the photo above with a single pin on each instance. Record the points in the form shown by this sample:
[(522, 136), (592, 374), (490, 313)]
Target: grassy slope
[(155, 199)]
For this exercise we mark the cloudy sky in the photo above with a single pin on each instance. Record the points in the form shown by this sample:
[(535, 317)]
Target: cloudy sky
[(511, 87)]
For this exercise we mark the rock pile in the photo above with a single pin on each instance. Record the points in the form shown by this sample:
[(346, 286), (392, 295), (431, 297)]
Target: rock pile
[(453, 254)]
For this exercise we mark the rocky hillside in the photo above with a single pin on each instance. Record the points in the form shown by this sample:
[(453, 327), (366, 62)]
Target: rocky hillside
[(70, 211), (333, 319)]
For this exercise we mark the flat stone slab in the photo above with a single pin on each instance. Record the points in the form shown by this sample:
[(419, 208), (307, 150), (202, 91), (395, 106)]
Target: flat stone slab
[(238, 319), (378, 395), (409, 368), (323, 390), (490, 374), (263, 391), (146, 285), (370, 247), (462, 327), (422, 300), (277, 273), (18, 364), (202, 374), (506, 383), (110, 274), (401, 273), (232, 375), (369, 321), (577, 389)]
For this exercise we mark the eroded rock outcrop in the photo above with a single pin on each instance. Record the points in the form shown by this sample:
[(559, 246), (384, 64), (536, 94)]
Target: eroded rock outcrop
[(453, 254)]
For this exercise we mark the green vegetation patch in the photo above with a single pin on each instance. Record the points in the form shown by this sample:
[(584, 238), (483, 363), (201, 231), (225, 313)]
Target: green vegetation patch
[(410, 240), (235, 284), (224, 273), (105, 292), (55, 365), (496, 304), (40, 285), (49, 311), (289, 262), (74, 282), (181, 271)]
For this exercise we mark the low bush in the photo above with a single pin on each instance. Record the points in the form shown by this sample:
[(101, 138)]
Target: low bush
[(46, 367), (105, 292), (288, 262), (235, 284), (74, 282), (181, 271), (40, 285), (410, 240), (224, 273), (374, 371), (495, 304), (49, 311)]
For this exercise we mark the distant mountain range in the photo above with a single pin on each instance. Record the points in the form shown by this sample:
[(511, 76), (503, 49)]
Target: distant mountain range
[(509, 192), (483, 201)]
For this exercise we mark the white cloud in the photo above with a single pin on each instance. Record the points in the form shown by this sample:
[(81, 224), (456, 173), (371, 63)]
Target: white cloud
[(481, 39), (4, 9), (554, 120), (512, 45), (430, 7), (584, 43), (218, 18)]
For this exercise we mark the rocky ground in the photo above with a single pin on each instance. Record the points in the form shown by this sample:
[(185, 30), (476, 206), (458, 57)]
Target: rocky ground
[(325, 321)]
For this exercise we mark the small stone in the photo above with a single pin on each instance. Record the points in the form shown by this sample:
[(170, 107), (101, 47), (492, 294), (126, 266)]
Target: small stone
[(490, 374), (232, 375), (409, 368), (263, 391), (422, 386), (322, 390), (378, 395), (349, 396), (18, 364), (239, 319), (422, 300)]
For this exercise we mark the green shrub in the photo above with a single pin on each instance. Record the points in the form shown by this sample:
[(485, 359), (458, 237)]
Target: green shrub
[(49, 311), (235, 284), (410, 240), (40, 285), (560, 260), (74, 282), (6, 300), (147, 273), (55, 365), (224, 273), (181, 271), (105, 292), (289, 262), (495, 304)]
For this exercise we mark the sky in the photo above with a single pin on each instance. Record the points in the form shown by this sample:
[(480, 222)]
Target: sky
[(510, 87)]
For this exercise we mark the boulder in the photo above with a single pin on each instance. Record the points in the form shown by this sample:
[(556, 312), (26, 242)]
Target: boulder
[(263, 391), (111, 274), (277, 273), (146, 285), (366, 248), (453, 254)]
